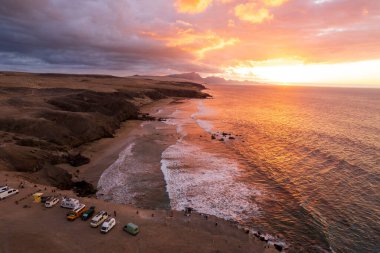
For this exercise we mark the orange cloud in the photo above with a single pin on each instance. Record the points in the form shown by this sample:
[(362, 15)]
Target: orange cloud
[(197, 43), (250, 12), (274, 2), (192, 6)]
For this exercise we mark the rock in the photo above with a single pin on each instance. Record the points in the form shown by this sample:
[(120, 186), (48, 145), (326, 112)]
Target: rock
[(231, 138), (278, 247), (57, 177), (213, 137), (77, 160), (146, 117), (83, 188)]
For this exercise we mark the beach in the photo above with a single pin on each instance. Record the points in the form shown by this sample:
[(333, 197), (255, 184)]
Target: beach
[(28, 226)]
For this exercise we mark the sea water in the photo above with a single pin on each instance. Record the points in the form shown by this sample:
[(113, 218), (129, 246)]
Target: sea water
[(299, 164)]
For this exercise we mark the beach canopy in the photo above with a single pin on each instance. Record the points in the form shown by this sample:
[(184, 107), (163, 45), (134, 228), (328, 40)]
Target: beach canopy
[(37, 197)]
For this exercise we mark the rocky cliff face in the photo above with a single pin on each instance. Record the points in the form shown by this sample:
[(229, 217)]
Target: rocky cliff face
[(39, 126)]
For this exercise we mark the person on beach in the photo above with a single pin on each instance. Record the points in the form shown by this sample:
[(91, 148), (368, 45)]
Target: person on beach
[(114, 213)]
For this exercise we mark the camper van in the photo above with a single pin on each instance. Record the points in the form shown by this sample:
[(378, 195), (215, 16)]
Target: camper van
[(7, 193), (51, 202), (98, 219), (107, 225), (131, 228), (69, 203), (3, 188), (77, 212)]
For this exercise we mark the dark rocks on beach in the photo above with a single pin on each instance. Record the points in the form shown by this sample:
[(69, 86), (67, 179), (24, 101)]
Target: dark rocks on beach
[(83, 188), (263, 238), (213, 137), (77, 160), (145, 117), (231, 138), (278, 247)]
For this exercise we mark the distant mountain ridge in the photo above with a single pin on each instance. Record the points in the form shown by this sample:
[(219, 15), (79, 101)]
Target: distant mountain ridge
[(193, 76)]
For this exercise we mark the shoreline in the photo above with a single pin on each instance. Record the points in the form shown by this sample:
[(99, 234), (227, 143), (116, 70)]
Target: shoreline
[(41, 166), (104, 152), (197, 233)]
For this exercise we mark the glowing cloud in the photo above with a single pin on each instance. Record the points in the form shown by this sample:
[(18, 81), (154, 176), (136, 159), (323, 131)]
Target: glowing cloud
[(274, 2), (192, 6), (197, 43), (207, 36), (251, 13)]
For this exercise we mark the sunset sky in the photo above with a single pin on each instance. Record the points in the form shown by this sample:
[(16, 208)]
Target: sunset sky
[(279, 41)]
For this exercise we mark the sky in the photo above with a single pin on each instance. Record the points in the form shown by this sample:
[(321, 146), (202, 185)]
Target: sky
[(279, 41)]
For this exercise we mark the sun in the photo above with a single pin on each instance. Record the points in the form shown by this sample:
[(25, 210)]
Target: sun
[(292, 72)]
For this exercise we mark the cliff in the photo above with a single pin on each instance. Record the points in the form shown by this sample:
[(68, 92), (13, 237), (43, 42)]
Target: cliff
[(44, 116)]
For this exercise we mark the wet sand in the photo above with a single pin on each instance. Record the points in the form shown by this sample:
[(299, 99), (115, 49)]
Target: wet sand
[(145, 178)]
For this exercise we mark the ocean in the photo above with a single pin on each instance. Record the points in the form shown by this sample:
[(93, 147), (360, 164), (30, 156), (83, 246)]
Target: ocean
[(300, 165)]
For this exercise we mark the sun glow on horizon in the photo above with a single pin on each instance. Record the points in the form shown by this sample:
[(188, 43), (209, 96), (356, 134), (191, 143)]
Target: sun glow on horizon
[(282, 71)]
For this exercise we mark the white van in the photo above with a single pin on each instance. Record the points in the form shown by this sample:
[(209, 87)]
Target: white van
[(98, 219), (7, 193), (3, 188), (107, 225), (51, 202), (69, 203)]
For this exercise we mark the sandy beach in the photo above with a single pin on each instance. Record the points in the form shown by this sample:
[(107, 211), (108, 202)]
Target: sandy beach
[(36, 149), (30, 227)]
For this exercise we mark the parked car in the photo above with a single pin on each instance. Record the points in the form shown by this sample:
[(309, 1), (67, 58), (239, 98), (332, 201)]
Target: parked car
[(88, 213), (8, 193), (131, 228), (107, 225), (69, 203), (77, 212), (51, 202), (45, 198), (99, 218)]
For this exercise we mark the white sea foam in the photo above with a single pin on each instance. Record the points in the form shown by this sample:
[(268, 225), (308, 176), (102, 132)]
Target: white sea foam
[(205, 125), (202, 110), (114, 176), (205, 182)]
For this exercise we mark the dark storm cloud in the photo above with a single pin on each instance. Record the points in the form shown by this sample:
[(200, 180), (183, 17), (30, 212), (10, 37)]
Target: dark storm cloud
[(84, 35)]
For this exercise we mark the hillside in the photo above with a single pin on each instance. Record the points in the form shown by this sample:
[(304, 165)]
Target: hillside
[(45, 116)]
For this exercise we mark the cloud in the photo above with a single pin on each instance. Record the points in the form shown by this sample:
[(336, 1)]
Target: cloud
[(252, 13), (196, 43), (274, 2), (192, 6), (128, 36)]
